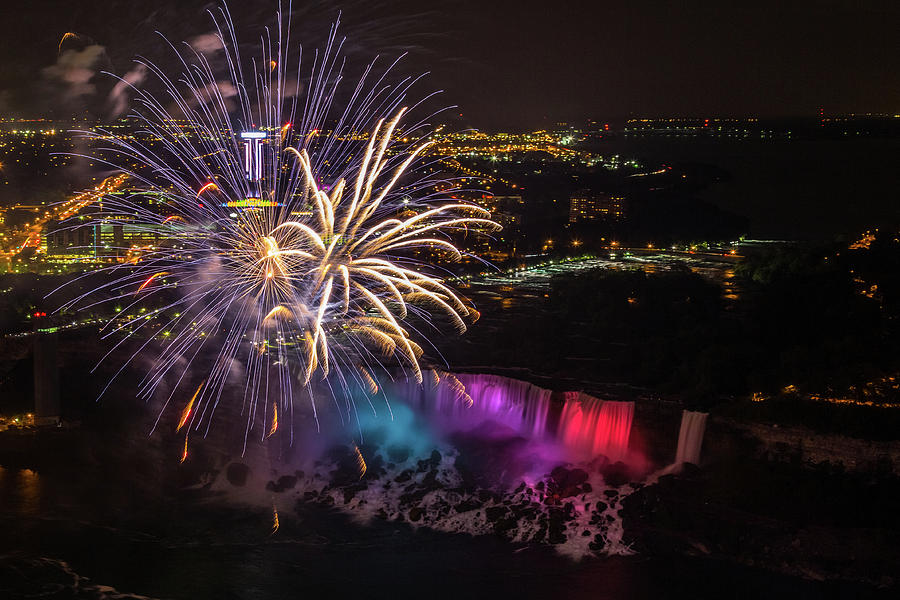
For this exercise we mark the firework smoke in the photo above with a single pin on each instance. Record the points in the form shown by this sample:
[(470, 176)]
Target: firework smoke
[(296, 237)]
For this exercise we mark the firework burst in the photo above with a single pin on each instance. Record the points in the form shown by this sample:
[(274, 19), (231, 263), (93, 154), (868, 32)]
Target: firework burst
[(296, 232)]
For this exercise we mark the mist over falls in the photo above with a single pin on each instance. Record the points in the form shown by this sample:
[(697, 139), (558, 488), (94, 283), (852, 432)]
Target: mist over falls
[(467, 453)]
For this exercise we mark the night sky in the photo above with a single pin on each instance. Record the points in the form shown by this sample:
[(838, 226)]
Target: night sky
[(513, 64)]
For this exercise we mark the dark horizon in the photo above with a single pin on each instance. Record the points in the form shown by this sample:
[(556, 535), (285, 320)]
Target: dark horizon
[(510, 65)]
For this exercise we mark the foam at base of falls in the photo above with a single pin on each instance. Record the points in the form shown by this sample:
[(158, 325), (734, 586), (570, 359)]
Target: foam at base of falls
[(495, 440), (571, 508)]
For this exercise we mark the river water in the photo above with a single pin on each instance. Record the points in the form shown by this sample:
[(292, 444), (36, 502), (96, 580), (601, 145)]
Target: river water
[(111, 514), (95, 535)]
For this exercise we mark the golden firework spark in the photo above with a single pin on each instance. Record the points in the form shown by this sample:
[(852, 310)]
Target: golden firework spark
[(360, 462), (187, 409)]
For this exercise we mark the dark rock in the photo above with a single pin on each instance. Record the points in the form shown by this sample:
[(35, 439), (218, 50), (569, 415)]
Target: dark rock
[(504, 526), (599, 543), (568, 477), (565, 483), (467, 505), (529, 514), (486, 495), (406, 475), (610, 493), (689, 471), (556, 526), (287, 482), (541, 533), (350, 491), (616, 474), (430, 481), (413, 494), (435, 459), (415, 514), (493, 513), (237, 474), (398, 454)]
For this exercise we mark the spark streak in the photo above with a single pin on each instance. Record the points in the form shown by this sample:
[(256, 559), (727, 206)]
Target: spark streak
[(208, 186), (184, 454), (275, 522), (360, 462), (315, 267), (66, 36), (187, 409), (274, 426), (150, 280)]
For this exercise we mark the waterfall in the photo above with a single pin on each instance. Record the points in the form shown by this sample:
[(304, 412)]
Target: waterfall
[(690, 437), (595, 426), (518, 404), (587, 425)]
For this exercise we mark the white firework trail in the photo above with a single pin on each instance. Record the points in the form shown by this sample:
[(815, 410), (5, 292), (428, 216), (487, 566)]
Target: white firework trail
[(296, 253)]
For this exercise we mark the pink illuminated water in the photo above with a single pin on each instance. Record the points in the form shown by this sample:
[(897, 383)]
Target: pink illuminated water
[(518, 404), (584, 425)]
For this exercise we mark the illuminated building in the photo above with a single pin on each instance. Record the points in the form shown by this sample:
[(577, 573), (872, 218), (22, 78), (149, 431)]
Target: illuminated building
[(253, 166), (586, 206), (253, 141), (98, 235)]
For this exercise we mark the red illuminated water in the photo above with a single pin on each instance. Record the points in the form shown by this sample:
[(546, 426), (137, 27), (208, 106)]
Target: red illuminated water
[(583, 425)]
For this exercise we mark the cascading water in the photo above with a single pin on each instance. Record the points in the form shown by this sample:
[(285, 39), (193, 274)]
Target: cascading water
[(586, 426), (517, 404), (526, 406), (593, 426), (690, 437), (476, 454)]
